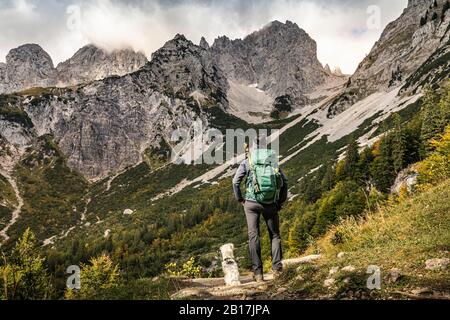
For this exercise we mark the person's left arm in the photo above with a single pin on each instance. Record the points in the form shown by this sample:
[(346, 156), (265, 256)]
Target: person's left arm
[(283, 191), (239, 176)]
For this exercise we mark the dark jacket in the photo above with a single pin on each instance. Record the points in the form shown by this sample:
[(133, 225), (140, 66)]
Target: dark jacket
[(243, 172)]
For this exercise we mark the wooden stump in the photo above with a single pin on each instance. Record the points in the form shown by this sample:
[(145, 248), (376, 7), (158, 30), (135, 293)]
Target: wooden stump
[(229, 265)]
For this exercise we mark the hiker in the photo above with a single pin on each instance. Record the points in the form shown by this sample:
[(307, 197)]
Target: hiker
[(266, 192)]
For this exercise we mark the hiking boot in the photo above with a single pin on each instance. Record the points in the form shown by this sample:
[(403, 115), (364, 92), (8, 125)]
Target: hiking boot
[(259, 278)]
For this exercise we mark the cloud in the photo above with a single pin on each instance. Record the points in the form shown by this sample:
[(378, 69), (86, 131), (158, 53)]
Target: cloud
[(339, 26)]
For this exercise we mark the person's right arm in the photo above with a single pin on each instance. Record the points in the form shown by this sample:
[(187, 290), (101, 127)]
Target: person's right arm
[(238, 177)]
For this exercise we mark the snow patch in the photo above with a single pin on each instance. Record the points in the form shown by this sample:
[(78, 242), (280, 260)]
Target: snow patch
[(249, 103), (351, 119)]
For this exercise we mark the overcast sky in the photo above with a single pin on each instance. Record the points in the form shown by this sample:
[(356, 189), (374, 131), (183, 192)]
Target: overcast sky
[(345, 30)]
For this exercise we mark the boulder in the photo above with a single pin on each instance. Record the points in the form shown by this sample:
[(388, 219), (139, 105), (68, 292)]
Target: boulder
[(393, 275), (328, 283), (333, 270), (341, 255), (348, 269), (128, 212), (437, 264)]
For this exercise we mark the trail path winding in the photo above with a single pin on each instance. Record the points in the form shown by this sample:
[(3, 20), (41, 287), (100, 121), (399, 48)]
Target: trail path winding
[(16, 213)]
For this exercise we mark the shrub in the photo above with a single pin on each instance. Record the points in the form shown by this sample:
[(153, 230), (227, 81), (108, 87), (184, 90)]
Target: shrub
[(436, 167), (188, 269), (23, 276), (97, 279)]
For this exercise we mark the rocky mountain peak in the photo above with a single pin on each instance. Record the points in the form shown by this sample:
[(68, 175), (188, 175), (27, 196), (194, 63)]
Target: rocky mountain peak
[(337, 71), (281, 58), (31, 54), (182, 65), (277, 26), (93, 63), (27, 65), (412, 3), (204, 44), (30, 66), (175, 48), (277, 32)]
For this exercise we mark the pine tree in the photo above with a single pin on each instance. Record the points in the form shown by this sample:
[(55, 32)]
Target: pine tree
[(351, 158), (436, 167), (329, 178), (398, 145), (297, 237), (434, 16), (382, 168), (365, 160), (444, 106), (435, 113)]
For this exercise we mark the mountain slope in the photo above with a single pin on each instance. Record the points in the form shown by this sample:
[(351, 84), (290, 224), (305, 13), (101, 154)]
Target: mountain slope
[(105, 126), (402, 236), (403, 47), (398, 240)]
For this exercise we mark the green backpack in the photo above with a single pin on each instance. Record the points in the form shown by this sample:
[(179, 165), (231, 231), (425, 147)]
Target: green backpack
[(264, 181)]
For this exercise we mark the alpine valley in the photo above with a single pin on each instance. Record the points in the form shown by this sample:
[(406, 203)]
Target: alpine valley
[(85, 155)]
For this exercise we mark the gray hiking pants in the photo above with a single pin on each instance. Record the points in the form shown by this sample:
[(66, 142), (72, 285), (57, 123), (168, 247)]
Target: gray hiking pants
[(253, 212)]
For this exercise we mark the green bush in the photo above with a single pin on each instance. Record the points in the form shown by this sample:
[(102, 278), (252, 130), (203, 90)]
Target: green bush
[(23, 275)]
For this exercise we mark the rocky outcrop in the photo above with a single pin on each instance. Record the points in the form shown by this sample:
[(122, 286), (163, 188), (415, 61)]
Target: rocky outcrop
[(29, 66), (203, 43), (2, 74), (92, 63), (406, 180), (403, 47)]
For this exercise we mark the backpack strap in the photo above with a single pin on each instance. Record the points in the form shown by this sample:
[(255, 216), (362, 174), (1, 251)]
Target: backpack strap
[(279, 185), (252, 170)]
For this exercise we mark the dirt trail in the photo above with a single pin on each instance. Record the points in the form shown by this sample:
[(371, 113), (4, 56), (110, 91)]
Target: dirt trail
[(215, 288), (16, 213)]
